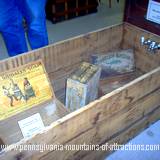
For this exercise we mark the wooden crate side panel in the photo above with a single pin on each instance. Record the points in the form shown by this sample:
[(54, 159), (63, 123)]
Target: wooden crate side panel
[(90, 117), (62, 58), (58, 78), (125, 136), (110, 128), (112, 41), (10, 136), (144, 60), (69, 52)]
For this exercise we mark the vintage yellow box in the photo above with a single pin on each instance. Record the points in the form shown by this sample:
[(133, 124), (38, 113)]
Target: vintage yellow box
[(82, 86), (23, 88)]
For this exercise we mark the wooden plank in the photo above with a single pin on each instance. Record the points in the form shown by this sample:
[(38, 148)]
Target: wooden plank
[(90, 123), (66, 9), (147, 64), (113, 82), (58, 78), (49, 112), (88, 118), (144, 59), (65, 55), (68, 52), (124, 137), (105, 130), (110, 128), (77, 7)]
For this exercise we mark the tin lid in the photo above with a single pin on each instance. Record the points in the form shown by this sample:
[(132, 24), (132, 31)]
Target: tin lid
[(84, 72)]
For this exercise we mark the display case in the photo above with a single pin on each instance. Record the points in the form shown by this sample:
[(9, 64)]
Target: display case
[(59, 10), (135, 13)]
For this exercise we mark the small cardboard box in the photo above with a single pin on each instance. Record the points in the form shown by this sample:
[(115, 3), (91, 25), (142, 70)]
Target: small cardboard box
[(114, 63), (82, 86)]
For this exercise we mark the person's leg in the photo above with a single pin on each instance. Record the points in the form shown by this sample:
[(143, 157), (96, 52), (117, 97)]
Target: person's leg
[(11, 100), (11, 27), (34, 13)]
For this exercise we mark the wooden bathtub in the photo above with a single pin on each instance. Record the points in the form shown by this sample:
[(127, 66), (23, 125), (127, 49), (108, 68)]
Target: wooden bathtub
[(115, 117)]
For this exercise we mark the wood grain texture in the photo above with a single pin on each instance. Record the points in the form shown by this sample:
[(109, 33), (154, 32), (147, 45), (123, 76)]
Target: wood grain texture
[(68, 52), (115, 117), (125, 136), (102, 119), (50, 112), (144, 59), (110, 128)]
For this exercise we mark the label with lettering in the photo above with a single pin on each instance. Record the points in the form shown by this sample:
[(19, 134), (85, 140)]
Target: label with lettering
[(31, 125), (153, 13), (23, 88)]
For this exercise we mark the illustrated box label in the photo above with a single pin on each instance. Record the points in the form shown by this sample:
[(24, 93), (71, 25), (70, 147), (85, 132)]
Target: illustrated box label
[(114, 63), (25, 87)]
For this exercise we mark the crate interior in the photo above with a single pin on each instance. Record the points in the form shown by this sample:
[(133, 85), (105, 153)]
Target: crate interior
[(114, 38), (69, 54)]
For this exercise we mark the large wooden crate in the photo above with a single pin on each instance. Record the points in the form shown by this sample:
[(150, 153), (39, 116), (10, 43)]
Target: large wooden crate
[(115, 117)]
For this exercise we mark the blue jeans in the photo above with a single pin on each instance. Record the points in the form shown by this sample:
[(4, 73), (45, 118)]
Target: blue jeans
[(12, 13)]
